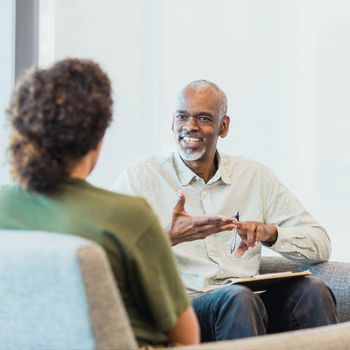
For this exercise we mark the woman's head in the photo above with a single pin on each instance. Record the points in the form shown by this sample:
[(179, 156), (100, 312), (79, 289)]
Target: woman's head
[(57, 115)]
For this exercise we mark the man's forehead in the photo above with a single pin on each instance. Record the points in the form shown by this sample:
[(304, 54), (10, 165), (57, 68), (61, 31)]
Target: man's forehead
[(199, 91), (197, 99)]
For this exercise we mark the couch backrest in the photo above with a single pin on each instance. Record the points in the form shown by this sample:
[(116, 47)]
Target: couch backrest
[(57, 292)]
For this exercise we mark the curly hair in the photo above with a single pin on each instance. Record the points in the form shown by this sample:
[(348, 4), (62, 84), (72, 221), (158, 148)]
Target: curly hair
[(57, 116)]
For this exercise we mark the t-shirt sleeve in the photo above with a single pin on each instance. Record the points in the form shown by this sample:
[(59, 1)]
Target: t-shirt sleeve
[(158, 276)]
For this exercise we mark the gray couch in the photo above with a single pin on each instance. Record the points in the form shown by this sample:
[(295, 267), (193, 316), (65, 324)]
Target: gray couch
[(57, 292), (335, 274)]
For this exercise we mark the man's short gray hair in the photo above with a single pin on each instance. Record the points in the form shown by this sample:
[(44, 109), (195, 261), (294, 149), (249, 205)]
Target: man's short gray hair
[(200, 84)]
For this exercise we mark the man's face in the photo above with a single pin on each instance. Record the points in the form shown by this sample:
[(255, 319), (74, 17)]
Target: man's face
[(197, 123)]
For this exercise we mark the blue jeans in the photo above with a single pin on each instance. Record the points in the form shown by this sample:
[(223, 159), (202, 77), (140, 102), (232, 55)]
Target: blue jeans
[(234, 311)]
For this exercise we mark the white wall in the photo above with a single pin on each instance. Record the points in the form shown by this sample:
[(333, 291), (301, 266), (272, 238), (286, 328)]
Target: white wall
[(119, 35), (284, 65), (7, 74)]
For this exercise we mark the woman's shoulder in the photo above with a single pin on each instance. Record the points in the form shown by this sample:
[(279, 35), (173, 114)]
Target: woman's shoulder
[(125, 211), (11, 192)]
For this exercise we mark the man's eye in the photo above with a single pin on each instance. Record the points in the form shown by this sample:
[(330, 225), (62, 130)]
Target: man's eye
[(204, 119), (180, 116)]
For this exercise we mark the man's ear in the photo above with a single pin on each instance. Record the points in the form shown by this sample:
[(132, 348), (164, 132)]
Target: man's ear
[(225, 125)]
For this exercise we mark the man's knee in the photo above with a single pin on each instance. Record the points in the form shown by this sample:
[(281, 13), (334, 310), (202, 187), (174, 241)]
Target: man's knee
[(312, 304), (239, 297), (246, 308), (316, 288), (235, 291)]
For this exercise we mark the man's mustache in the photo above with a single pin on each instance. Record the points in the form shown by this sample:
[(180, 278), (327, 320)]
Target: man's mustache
[(190, 134)]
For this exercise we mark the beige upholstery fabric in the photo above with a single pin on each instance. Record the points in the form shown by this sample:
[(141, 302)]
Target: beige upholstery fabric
[(335, 337), (108, 316)]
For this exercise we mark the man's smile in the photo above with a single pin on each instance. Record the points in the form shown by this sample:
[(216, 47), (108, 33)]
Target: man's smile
[(190, 139)]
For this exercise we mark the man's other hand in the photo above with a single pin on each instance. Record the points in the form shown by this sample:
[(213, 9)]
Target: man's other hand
[(184, 227), (252, 232)]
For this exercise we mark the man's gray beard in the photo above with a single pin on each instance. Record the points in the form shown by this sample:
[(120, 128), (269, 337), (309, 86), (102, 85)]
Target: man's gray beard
[(190, 155)]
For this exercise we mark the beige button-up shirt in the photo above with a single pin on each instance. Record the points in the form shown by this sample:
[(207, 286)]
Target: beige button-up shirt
[(239, 184)]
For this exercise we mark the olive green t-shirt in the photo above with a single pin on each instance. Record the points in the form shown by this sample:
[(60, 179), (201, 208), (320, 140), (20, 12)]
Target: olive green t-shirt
[(128, 230)]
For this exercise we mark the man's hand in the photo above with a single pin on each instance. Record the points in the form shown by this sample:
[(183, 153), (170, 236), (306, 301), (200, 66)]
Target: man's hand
[(184, 227), (252, 232)]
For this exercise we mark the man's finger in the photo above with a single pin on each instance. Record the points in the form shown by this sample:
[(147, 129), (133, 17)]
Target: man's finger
[(259, 232), (206, 220), (210, 229), (205, 231), (180, 204), (212, 220), (242, 229), (248, 232), (251, 233), (242, 248)]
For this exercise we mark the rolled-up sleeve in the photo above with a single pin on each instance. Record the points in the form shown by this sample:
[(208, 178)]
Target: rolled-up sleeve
[(300, 236)]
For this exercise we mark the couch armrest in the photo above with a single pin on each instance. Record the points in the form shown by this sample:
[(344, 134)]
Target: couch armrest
[(335, 274), (321, 338)]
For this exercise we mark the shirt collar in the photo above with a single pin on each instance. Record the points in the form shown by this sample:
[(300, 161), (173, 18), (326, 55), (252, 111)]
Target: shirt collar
[(186, 175)]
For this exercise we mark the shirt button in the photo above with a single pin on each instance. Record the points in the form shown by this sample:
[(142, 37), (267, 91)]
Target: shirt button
[(211, 253)]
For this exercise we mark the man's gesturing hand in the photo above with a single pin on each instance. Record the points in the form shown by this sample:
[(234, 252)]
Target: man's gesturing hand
[(252, 232), (184, 227)]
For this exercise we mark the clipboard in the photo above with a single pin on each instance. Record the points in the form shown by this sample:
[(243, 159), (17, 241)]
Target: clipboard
[(268, 280)]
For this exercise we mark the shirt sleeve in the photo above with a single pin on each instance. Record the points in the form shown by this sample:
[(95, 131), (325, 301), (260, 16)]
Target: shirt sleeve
[(300, 236), (158, 277)]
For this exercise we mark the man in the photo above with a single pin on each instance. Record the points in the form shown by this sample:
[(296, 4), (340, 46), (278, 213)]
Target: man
[(214, 186)]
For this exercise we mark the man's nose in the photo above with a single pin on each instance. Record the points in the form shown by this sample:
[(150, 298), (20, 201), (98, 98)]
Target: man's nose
[(192, 124)]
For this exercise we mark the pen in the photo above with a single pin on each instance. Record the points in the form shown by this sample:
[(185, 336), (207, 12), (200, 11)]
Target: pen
[(234, 234)]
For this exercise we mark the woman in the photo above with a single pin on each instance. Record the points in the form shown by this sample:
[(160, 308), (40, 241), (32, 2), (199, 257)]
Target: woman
[(58, 118)]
